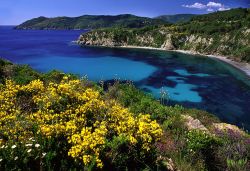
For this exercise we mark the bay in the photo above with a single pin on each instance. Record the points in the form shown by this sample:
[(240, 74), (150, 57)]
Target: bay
[(192, 81)]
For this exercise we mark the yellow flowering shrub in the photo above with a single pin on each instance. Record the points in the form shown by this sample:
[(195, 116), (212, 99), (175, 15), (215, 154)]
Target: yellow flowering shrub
[(70, 110), (12, 122)]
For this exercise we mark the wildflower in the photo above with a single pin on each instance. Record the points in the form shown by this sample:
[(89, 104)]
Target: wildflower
[(28, 145), (100, 164), (1, 160), (16, 158), (87, 139), (65, 77)]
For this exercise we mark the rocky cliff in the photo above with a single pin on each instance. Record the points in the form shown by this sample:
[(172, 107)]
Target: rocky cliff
[(235, 46)]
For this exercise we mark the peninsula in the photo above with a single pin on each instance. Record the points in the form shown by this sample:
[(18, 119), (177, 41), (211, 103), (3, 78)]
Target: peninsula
[(224, 33)]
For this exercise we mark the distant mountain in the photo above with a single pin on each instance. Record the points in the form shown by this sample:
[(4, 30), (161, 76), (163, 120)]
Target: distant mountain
[(89, 22), (176, 18)]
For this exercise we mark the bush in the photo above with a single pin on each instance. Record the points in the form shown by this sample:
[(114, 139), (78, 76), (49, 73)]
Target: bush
[(201, 146), (139, 102), (199, 141), (71, 126)]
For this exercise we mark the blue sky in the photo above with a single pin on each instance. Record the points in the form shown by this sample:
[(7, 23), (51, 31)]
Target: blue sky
[(14, 12)]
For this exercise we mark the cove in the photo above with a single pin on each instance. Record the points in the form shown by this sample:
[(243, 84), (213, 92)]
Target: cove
[(191, 81)]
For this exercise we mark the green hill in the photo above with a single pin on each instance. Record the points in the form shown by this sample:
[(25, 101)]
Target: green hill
[(89, 22), (224, 33), (176, 18)]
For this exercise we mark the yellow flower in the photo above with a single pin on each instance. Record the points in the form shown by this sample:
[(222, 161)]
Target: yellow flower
[(77, 113)]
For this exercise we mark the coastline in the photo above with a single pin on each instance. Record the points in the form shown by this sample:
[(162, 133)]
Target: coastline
[(243, 67)]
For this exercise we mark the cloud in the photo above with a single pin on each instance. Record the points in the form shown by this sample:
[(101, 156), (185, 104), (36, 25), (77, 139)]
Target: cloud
[(195, 5), (210, 6), (214, 4)]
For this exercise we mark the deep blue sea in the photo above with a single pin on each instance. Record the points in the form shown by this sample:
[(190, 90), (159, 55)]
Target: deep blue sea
[(192, 81)]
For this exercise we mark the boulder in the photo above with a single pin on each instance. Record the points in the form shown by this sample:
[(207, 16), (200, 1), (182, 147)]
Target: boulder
[(193, 124)]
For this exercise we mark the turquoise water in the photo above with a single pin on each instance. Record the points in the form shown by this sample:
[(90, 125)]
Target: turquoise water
[(184, 72), (103, 68), (181, 92), (191, 81)]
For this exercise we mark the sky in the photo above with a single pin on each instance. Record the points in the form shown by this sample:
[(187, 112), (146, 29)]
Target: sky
[(13, 12)]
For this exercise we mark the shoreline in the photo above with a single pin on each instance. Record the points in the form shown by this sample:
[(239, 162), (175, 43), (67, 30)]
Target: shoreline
[(243, 67)]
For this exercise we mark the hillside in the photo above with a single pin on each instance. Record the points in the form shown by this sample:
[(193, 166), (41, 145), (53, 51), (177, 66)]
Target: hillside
[(89, 22), (56, 121), (224, 33), (176, 18)]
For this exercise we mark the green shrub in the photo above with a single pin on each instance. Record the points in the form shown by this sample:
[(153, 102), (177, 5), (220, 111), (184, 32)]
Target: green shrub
[(126, 157), (139, 102), (198, 141), (23, 74), (56, 76), (201, 147)]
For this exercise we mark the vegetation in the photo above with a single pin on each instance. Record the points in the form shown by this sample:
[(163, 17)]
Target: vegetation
[(89, 22), (176, 18), (56, 121), (224, 33), (85, 125)]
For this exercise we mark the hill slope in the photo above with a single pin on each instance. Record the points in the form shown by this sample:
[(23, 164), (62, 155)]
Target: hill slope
[(89, 22), (176, 18), (54, 121), (221, 33)]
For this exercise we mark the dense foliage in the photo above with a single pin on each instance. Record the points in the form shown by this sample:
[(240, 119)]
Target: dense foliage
[(68, 112), (224, 33), (89, 22), (176, 18), (218, 22)]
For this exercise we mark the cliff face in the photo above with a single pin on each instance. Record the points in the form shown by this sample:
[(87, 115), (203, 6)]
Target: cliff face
[(124, 37), (96, 39), (233, 45)]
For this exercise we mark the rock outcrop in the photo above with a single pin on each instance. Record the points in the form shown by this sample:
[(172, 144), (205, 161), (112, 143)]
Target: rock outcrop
[(193, 124), (168, 44), (228, 128)]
